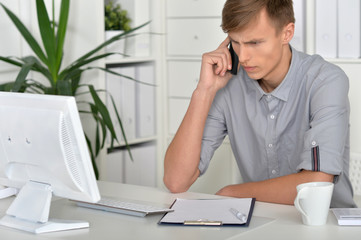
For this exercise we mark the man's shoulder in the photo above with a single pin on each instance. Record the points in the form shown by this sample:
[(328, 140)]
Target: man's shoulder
[(315, 66)]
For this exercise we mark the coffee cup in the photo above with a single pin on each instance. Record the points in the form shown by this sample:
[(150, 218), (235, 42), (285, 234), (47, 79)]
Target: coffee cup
[(313, 202)]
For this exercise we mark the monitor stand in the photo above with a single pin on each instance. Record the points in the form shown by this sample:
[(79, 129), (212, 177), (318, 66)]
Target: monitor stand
[(30, 211)]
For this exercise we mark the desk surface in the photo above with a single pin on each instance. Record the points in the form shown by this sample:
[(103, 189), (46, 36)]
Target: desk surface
[(270, 221)]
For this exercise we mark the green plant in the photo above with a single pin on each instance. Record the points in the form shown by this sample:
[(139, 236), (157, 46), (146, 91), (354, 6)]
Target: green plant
[(64, 80), (116, 18)]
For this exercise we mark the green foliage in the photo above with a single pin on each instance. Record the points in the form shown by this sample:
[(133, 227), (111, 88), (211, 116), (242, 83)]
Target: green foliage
[(116, 18), (66, 80)]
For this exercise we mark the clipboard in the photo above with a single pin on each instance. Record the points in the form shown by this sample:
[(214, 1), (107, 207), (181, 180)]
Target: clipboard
[(209, 212)]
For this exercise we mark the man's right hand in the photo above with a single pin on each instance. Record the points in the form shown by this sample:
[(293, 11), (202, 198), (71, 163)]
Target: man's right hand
[(215, 65)]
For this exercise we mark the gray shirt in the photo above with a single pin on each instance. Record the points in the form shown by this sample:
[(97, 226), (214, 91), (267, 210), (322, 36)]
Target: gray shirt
[(302, 125)]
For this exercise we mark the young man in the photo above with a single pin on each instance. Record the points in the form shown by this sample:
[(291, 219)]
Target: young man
[(286, 113)]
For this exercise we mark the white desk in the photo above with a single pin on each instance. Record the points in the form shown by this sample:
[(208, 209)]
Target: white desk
[(269, 221)]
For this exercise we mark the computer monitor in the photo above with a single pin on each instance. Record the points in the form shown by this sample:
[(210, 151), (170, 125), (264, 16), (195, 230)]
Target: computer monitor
[(43, 151)]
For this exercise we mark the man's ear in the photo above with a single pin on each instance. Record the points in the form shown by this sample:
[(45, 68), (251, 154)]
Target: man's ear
[(288, 32)]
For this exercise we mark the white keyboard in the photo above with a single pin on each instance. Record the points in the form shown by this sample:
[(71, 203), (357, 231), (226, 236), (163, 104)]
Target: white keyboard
[(124, 207)]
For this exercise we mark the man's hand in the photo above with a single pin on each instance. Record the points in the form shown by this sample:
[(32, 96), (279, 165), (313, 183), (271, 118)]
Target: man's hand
[(215, 65)]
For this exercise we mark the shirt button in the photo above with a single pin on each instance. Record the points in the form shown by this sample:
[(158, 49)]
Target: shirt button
[(313, 143), (272, 116), (274, 171), (270, 145)]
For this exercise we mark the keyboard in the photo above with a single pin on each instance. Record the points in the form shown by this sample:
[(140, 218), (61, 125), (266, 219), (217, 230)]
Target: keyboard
[(124, 207)]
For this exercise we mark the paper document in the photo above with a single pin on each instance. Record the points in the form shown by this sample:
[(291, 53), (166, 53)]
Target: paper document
[(225, 211), (347, 216)]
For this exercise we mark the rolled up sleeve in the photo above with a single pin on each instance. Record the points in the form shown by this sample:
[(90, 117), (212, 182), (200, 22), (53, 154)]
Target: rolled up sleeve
[(327, 138)]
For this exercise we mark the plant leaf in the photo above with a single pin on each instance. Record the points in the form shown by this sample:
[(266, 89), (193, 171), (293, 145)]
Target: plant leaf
[(21, 78), (6, 87), (36, 87), (47, 35), (82, 63), (38, 67), (122, 75), (122, 128), (64, 88), (98, 143), (11, 61), (73, 77), (27, 35), (97, 140), (113, 39), (103, 111), (60, 36)]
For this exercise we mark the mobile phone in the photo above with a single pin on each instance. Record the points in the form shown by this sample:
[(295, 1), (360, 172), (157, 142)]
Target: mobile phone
[(234, 60)]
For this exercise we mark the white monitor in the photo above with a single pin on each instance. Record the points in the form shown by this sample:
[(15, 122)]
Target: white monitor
[(43, 151)]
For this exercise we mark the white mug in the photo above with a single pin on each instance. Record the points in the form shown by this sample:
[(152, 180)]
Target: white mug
[(313, 202)]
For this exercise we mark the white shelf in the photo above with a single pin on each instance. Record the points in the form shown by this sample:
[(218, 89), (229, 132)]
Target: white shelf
[(142, 64)]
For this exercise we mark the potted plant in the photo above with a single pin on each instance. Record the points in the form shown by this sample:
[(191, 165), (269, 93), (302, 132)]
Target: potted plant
[(116, 21), (64, 80)]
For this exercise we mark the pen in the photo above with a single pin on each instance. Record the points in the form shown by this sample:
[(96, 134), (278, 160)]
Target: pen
[(239, 215)]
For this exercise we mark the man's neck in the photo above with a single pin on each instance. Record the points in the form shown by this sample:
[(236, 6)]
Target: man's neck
[(268, 85)]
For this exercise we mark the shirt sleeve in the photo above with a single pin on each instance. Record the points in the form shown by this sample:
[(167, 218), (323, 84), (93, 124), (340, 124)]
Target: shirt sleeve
[(214, 133), (328, 135)]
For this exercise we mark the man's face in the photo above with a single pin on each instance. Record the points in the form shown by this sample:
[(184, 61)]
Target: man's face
[(261, 50)]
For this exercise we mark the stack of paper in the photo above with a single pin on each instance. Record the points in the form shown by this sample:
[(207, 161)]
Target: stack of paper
[(347, 216)]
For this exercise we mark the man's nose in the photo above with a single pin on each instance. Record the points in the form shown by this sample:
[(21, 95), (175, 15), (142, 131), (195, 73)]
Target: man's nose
[(243, 55)]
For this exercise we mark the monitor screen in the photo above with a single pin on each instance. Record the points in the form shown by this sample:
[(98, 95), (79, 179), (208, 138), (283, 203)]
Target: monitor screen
[(42, 141)]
